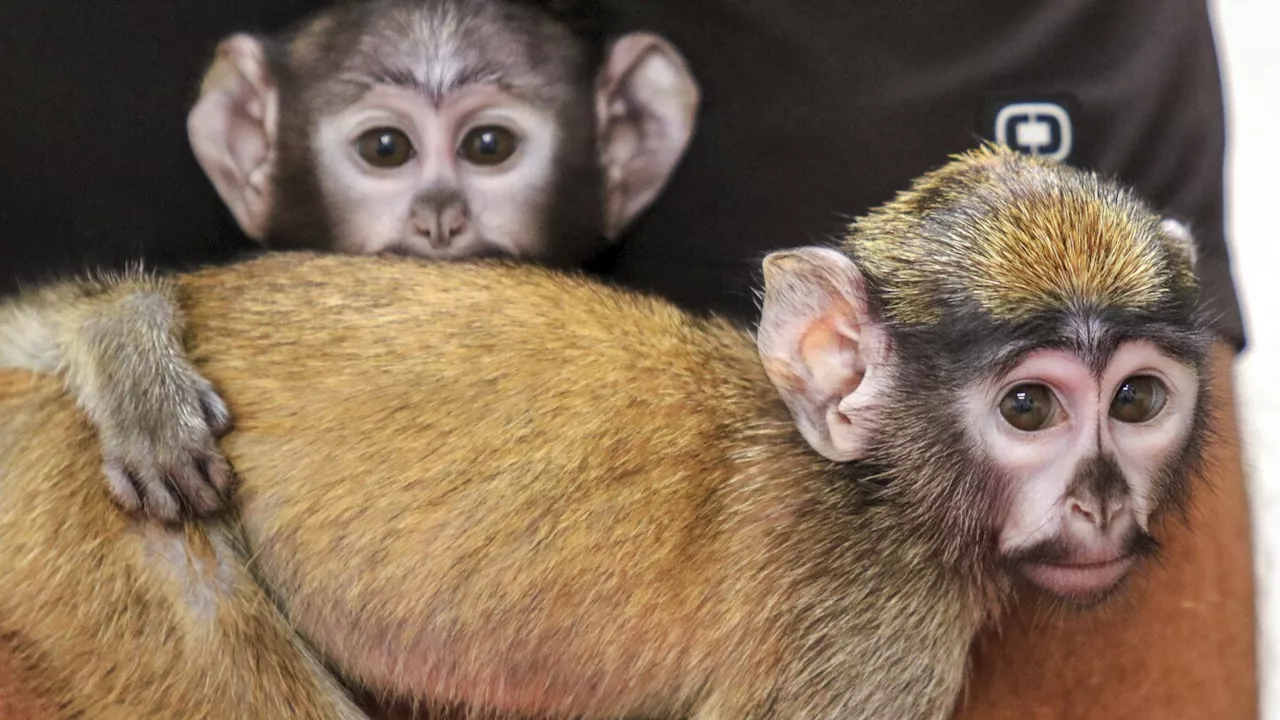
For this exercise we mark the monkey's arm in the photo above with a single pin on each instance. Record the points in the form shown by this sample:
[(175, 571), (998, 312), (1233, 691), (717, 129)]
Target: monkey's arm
[(102, 617), (117, 343)]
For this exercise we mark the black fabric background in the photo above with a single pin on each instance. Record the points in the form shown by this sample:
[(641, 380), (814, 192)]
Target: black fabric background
[(814, 112)]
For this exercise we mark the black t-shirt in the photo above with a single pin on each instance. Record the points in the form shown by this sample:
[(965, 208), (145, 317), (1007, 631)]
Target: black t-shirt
[(813, 113)]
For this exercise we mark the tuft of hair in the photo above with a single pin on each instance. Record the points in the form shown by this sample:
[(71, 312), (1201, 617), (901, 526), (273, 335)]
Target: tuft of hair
[(437, 43), (1014, 236)]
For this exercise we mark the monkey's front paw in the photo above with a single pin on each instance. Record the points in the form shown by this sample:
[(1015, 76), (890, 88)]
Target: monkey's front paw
[(165, 463)]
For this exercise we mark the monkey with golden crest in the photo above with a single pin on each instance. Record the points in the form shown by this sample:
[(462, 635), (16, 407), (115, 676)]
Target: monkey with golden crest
[(519, 491), (445, 129)]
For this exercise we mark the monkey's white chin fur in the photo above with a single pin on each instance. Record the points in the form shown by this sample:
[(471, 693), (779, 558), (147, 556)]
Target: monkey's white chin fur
[(1081, 583)]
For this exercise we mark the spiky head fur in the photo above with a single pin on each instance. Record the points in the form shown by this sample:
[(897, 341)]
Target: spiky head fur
[(1011, 235)]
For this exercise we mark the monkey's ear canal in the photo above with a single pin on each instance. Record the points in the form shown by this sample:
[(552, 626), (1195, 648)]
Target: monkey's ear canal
[(646, 107), (821, 348), (232, 130)]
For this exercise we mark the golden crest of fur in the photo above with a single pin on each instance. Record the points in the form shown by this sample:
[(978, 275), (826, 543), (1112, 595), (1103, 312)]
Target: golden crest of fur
[(1016, 235)]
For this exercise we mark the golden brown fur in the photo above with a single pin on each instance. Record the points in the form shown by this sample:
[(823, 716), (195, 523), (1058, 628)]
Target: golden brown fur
[(1019, 236), (107, 618), (696, 578)]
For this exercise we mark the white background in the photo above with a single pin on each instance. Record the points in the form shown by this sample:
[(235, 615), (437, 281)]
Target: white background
[(1248, 33)]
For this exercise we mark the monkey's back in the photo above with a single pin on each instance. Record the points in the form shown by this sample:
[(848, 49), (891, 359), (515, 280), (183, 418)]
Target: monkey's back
[(544, 458), (597, 502)]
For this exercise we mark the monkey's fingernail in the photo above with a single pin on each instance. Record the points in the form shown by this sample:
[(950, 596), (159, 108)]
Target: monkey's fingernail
[(159, 496), (219, 474), (197, 489), (123, 487), (216, 414)]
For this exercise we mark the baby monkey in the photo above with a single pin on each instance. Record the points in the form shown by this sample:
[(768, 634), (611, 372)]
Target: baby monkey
[(443, 129), (502, 487)]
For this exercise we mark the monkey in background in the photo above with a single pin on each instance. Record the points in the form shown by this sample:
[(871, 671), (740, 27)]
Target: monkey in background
[(444, 129), (523, 492)]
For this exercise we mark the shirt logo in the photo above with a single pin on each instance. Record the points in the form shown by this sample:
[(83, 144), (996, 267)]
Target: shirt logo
[(1035, 128)]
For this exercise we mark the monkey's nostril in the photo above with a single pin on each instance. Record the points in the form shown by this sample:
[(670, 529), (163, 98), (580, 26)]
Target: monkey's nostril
[(454, 220), (1099, 514), (441, 227), (1084, 512)]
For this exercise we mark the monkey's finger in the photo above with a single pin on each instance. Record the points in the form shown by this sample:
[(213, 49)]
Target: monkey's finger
[(159, 499), (192, 485), (122, 486), (216, 412), (219, 474)]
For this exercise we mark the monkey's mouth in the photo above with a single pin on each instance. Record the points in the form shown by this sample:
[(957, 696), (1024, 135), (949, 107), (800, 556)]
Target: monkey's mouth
[(1083, 583)]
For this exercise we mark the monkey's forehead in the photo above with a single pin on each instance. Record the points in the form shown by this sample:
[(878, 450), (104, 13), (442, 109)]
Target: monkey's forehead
[(437, 46), (972, 348), (1016, 237)]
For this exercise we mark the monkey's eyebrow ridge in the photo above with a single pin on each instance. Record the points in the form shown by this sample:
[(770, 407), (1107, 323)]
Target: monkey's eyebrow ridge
[(436, 87)]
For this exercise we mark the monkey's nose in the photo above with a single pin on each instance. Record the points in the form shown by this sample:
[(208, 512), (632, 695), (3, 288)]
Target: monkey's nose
[(442, 226), (1094, 513)]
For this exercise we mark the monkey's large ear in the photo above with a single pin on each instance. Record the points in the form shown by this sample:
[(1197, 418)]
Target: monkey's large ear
[(646, 104), (232, 130), (821, 348)]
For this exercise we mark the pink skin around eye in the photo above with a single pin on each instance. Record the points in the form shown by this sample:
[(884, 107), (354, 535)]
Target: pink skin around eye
[(1077, 545)]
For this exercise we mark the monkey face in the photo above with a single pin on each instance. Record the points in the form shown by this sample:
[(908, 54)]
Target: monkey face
[(1089, 450), (470, 175), (445, 130), (1010, 354)]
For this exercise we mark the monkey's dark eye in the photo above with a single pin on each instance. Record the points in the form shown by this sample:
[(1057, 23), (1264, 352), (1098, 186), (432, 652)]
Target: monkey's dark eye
[(384, 147), (488, 145), (1029, 407), (1139, 399)]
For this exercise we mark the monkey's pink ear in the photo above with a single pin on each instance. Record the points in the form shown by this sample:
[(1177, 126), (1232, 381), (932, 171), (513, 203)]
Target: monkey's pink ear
[(646, 106), (1180, 234), (232, 130), (821, 349)]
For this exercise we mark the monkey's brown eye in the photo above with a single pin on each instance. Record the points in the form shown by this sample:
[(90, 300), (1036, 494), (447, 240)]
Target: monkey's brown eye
[(1029, 407), (1139, 399), (384, 147), (488, 145)]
